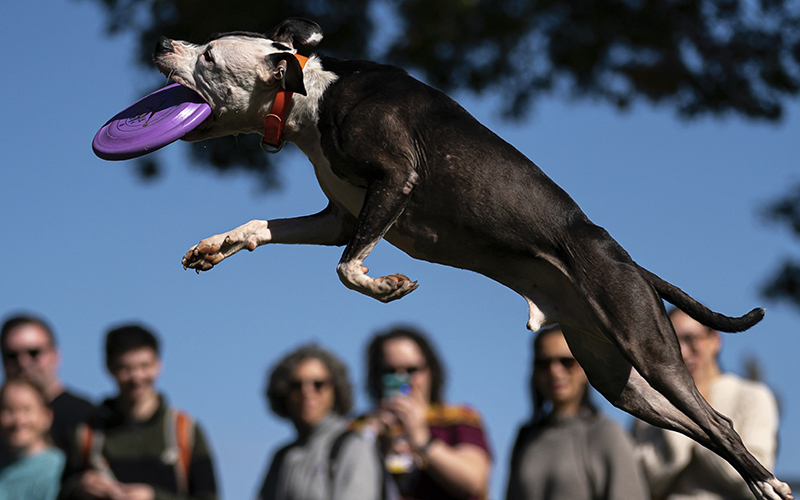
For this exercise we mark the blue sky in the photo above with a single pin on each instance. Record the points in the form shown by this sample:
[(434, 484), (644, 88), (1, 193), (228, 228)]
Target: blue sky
[(88, 245)]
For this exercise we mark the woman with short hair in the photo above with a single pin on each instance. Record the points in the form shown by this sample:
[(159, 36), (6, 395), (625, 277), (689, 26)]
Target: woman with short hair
[(327, 461)]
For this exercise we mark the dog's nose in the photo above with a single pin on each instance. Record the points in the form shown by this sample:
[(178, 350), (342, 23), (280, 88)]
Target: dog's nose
[(164, 45)]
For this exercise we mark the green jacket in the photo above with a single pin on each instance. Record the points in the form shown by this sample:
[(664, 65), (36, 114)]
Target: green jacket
[(140, 452)]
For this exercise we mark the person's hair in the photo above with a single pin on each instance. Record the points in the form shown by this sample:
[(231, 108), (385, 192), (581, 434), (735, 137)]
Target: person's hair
[(280, 377), (127, 338), (25, 319), (539, 411), (36, 388), (375, 365), (41, 395)]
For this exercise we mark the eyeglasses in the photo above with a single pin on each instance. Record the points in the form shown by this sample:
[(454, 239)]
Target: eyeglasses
[(32, 353), (565, 362), (410, 370), (297, 385)]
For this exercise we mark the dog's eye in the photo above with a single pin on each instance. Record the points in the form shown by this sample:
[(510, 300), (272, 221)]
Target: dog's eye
[(208, 57)]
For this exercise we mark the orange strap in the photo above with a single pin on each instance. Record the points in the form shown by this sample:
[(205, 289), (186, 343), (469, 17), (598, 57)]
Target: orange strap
[(87, 438), (273, 123), (183, 435)]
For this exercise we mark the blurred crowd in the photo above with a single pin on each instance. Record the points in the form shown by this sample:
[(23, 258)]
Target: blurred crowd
[(413, 444)]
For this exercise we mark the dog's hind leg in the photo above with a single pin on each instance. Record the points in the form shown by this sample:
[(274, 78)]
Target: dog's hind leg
[(616, 380), (631, 317), (622, 385)]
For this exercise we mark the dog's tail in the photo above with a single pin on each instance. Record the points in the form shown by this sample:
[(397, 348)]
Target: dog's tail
[(698, 311)]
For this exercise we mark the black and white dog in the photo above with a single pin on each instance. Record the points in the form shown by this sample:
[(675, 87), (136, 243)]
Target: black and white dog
[(402, 161)]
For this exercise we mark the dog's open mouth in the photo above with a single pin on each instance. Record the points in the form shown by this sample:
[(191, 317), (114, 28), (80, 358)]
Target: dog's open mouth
[(201, 131)]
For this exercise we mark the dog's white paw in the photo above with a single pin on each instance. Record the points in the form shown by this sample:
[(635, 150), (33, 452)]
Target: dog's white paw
[(211, 251), (386, 288), (394, 286)]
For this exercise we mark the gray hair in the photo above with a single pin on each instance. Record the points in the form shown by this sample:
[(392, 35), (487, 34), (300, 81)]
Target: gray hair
[(280, 377)]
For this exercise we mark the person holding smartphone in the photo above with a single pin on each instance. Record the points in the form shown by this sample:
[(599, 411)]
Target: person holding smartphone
[(434, 450)]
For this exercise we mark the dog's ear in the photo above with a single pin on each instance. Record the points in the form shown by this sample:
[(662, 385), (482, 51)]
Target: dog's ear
[(286, 68), (296, 30)]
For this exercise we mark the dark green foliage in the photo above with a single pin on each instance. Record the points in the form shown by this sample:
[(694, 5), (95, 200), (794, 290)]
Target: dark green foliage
[(784, 284), (698, 57)]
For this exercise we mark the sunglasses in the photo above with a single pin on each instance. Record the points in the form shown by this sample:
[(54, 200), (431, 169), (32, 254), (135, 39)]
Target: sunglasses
[(14, 355), (410, 370), (297, 385), (565, 362)]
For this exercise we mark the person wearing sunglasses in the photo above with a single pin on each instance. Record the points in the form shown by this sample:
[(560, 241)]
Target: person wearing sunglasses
[(327, 460), (568, 450), (434, 450), (29, 350)]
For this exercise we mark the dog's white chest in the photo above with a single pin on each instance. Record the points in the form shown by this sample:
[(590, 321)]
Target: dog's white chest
[(307, 138), (335, 188)]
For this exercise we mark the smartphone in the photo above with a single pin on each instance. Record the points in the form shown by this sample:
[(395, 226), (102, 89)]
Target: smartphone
[(396, 384)]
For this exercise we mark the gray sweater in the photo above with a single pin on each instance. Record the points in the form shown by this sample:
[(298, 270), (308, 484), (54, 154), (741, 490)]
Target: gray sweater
[(587, 457), (301, 470)]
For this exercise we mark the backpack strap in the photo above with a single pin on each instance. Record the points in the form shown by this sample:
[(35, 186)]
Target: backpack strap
[(179, 439), (336, 447), (85, 438), (389, 490), (91, 438), (517, 447)]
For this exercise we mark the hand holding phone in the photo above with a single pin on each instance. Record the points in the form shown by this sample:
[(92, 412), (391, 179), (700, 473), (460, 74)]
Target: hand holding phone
[(395, 384)]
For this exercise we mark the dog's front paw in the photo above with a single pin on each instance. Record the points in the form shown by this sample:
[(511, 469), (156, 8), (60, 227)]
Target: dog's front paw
[(394, 286), (386, 288), (204, 255), (211, 251)]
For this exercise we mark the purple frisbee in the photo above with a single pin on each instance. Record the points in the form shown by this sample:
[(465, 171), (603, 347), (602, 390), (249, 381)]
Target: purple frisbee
[(151, 123)]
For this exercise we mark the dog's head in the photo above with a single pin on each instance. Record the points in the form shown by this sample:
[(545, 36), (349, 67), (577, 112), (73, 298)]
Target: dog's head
[(238, 73)]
